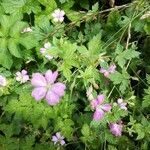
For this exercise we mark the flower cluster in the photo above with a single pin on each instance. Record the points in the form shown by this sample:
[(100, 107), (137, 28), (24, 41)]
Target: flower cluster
[(99, 107), (3, 81), (22, 76), (44, 49), (116, 128), (44, 87), (58, 139), (107, 72), (58, 15)]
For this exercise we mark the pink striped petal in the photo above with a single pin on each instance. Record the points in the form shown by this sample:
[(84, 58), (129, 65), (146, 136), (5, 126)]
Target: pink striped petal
[(52, 98), (106, 107), (100, 99), (98, 115), (38, 80), (39, 93), (51, 76), (94, 104), (58, 88)]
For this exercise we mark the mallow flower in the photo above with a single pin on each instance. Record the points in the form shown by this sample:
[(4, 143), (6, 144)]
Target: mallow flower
[(58, 139), (58, 15), (3, 81), (116, 128), (122, 104), (107, 72), (44, 49), (99, 107), (44, 87), (22, 76)]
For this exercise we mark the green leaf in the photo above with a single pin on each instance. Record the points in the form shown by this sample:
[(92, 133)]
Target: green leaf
[(13, 6), (5, 57), (123, 56), (85, 130), (14, 48), (28, 41), (120, 79)]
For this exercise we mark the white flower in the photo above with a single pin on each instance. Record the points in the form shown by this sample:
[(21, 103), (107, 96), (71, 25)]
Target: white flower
[(58, 15), (28, 29), (3, 81), (44, 49), (22, 76)]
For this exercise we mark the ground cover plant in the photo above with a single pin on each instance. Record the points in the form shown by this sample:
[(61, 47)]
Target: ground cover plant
[(74, 74)]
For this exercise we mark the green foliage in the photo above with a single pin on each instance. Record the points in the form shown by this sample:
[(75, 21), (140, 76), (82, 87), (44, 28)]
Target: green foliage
[(93, 35)]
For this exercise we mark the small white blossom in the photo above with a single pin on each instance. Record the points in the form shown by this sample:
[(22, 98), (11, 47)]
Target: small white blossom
[(58, 15), (44, 49), (22, 76), (28, 29), (3, 81)]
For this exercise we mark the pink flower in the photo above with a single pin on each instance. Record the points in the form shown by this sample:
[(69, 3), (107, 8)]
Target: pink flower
[(58, 139), (122, 104), (3, 81), (44, 87), (116, 128), (22, 76), (108, 71), (58, 15), (99, 107)]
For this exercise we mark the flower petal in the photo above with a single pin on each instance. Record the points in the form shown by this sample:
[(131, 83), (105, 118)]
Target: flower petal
[(39, 93), (100, 99), (38, 80), (94, 104), (58, 135), (98, 115), (106, 107), (62, 142), (120, 100), (51, 76), (54, 139), (47, 45), (58, 88), (52, 98)]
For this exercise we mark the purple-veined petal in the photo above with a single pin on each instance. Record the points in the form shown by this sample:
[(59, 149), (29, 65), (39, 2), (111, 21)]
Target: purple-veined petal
[(106, 107), (106, 74), (42, 50), (112, 68), (98, 115), (58, 88), (58, 135), (51, 76), (62, 142), (102, 70), (24, 72), (54, 139), (116, 129), (100, 99), (52, 98), (94, 104), (39, 93), (38, 80)]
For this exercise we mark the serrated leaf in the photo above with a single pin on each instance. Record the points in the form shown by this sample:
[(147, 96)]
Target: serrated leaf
[(13, 48), (120, 79)]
